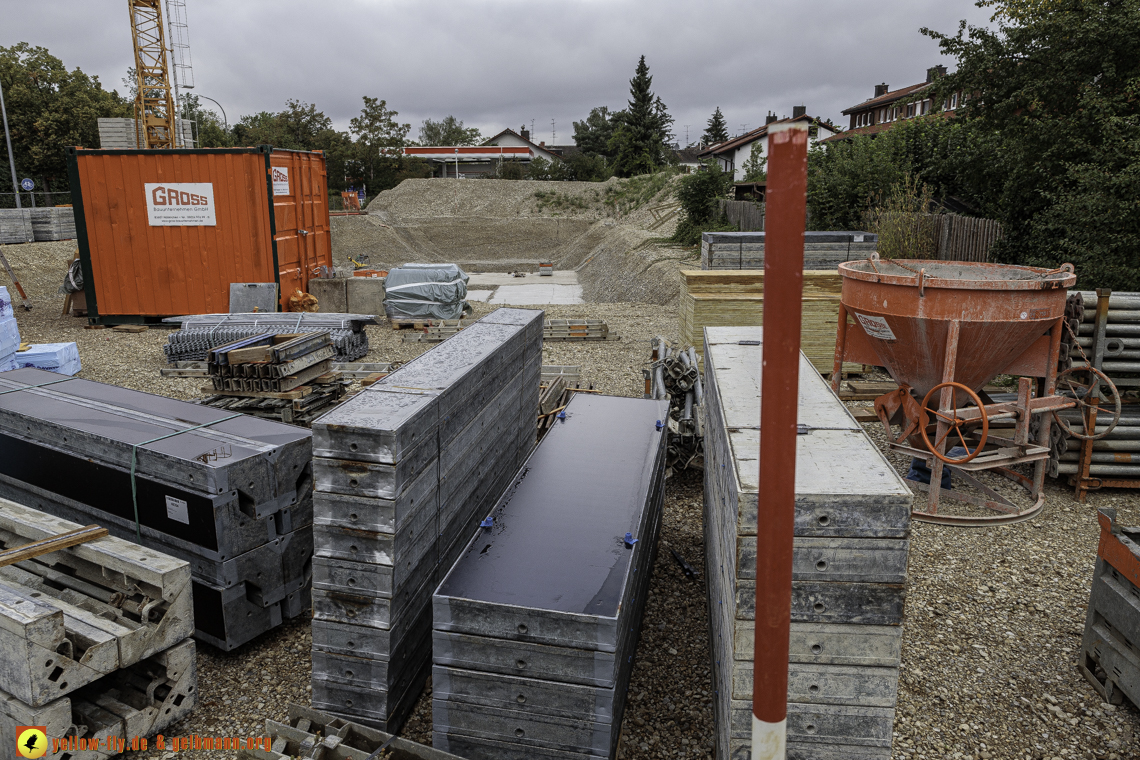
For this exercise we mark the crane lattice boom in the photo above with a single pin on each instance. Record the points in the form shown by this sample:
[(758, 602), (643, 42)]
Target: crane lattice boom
[(154, 104)]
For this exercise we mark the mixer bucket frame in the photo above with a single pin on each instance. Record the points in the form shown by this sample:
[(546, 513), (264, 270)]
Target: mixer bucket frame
[(989, 452)]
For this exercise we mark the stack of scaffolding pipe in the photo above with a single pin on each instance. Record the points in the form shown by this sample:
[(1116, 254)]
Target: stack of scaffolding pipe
[(1120, 361)]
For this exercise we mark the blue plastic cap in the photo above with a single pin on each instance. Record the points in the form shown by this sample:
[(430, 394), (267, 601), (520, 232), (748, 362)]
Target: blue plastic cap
[(629, 539), (562, 415), (487, 523), (660, 424)]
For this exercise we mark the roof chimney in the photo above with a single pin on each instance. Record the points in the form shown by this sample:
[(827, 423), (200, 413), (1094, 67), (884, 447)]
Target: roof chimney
[(882, 89), (524, 132), (798, 111), (934, 72), (771, 118)]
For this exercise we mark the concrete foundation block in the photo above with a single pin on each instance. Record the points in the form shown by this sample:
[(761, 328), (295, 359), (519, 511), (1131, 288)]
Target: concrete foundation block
[(332, 295), (365, 295)]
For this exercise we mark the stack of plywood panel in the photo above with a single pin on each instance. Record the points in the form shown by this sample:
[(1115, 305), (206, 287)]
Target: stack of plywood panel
[(228, 493), (93, 638), (404, 470), (127, 134), (536, 625), (822, 250), (852, 524), (736, 299)]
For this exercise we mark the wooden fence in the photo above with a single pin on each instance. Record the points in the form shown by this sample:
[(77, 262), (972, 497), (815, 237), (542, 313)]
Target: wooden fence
[(965, 238), (746, 215)]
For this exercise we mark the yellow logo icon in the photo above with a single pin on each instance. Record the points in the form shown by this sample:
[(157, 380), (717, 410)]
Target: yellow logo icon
[(31, 741)]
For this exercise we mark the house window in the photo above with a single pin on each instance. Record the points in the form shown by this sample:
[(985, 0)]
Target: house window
[(954, 100)]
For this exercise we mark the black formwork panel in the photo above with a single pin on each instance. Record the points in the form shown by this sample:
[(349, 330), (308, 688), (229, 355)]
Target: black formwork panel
[(402, 471), (535, 625), (230, 494)]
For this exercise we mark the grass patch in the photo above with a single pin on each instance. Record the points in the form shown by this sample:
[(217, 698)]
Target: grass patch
[(553, 199), (633, 193)]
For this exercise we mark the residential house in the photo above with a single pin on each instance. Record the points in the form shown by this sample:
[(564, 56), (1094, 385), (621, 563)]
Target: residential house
[(480, 160), (733, 154), (888, 107)]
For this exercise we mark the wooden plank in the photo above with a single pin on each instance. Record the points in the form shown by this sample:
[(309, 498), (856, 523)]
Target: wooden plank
[(130, 328), (251, 355), (47, 545), (296, 393)]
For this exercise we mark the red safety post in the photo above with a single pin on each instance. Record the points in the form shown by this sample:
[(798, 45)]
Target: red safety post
[(779, 402)]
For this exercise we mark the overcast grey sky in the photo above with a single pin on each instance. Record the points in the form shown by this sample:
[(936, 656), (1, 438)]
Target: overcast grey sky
[(503, 63)]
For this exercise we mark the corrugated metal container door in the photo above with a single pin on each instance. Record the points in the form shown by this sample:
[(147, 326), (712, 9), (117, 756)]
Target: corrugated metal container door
[(301, 212), (165, 232)]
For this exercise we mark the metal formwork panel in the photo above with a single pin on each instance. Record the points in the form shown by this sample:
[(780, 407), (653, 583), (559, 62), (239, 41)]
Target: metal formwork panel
[(379, 515), (384, 710), (370, 479), (851, 525), (551, 594), (229, 617), (365, 606), (136, 701)]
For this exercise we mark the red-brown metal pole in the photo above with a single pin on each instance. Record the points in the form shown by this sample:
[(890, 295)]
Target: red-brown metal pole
[(779, 402)]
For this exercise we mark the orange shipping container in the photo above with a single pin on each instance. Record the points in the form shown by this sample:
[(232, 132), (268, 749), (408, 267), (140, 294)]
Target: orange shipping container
[(164, 232)]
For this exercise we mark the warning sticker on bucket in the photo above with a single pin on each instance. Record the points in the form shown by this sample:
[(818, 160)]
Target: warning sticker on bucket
[(180, 204), (876, 327)]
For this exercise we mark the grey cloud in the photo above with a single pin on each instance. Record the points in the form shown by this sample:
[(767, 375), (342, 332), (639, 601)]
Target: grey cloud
[(502, 63)]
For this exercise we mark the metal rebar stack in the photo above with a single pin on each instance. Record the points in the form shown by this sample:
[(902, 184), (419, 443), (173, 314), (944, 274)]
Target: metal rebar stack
[(404, 471), (675, 375), (202, 332), (228, 493), (1113, 348), (94, 638)]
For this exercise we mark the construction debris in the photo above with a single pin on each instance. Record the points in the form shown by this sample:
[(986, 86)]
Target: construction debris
[(1112, 628), (675, 375), (227, 493), (97, 630), (852, 524), (203, 332), (404, 470), (535, 626), (317, 736)]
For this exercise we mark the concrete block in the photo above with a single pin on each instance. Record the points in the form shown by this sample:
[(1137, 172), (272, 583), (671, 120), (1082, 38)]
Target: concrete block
[(365, 295), (331, 293)]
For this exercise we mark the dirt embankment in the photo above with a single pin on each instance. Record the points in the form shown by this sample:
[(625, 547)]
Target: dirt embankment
[(612, 233)]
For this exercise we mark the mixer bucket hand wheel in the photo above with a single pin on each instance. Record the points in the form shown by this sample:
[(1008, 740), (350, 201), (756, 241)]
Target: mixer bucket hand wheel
[(1070, 387), (955, 421)]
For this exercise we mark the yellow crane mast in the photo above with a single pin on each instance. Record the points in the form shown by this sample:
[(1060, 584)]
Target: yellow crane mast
[(154, 104)]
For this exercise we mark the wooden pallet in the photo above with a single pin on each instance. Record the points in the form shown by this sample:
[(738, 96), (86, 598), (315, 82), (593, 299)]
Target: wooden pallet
[(576, 329), (316, 400), (435, 331)]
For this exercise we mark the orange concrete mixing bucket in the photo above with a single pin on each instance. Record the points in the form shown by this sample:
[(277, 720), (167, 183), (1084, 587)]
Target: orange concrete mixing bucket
[(904, 310)]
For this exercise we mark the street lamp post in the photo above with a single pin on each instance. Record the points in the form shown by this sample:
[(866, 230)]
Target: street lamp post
[(219, 105), (8, 139)]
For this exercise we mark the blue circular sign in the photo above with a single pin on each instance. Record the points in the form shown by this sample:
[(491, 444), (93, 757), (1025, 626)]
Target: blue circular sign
[(27, 184)]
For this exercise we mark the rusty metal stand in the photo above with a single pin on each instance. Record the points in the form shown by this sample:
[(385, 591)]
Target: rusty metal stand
[(1083, 481)]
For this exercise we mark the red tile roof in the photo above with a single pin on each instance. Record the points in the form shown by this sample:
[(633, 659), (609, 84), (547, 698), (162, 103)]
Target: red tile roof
[(756, 134), (889, 97)]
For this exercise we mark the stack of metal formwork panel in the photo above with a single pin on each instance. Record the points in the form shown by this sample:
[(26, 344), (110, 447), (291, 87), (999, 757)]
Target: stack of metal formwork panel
[(201, 333), (535, 627), (822, 250), (403, 471), (228, 493), (1110, 647), (852, 525), (93, 638)]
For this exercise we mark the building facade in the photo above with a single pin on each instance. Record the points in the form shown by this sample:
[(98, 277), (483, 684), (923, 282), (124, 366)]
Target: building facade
[(732, 155), (888, 107)]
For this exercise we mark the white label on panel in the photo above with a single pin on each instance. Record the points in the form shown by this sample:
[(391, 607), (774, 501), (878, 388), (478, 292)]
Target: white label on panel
[(280, 180), (180, 204), (176, 510), (858, 238), (876, 327)]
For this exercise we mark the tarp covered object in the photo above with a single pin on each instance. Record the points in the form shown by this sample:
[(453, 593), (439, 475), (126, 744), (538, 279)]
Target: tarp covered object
[(425, 291)]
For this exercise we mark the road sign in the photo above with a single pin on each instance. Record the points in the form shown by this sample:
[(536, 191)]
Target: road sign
[(27, 184)]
